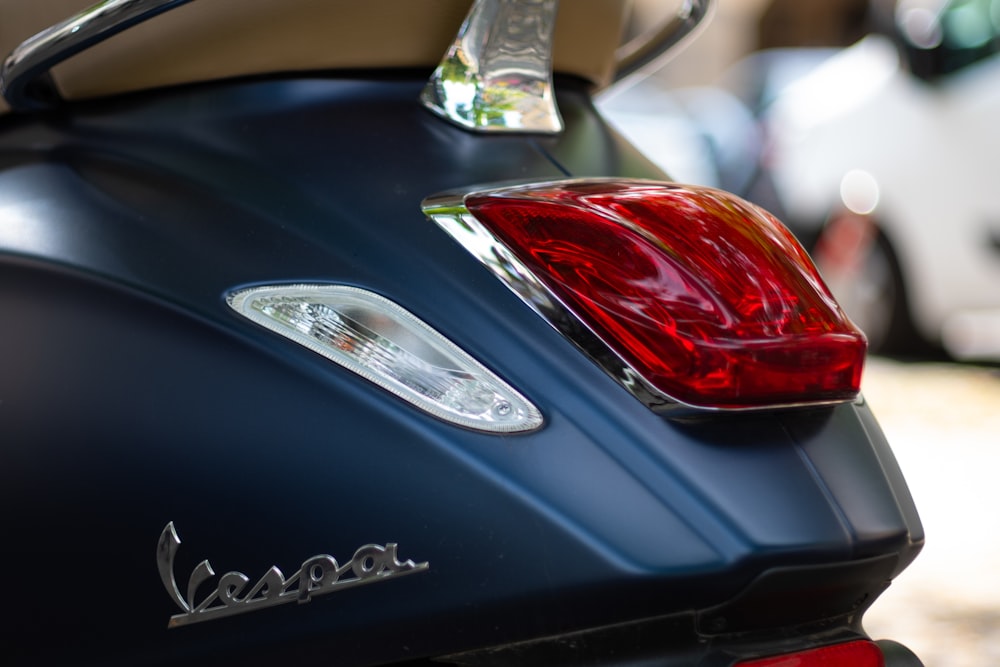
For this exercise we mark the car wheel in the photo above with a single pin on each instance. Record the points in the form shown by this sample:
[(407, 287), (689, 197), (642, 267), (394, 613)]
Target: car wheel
[(860, 267)]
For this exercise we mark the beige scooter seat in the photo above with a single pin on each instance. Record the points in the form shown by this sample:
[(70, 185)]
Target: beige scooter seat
[(216, 39)]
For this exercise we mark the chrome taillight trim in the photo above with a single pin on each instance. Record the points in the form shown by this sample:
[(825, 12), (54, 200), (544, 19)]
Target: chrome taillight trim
[(449, 212)]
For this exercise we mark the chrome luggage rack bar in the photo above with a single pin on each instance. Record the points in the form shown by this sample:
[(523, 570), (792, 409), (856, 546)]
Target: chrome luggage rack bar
[(495, 77), (24, 78)]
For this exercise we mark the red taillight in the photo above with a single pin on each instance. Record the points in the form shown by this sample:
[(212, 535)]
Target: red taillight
[(852, 654), (704, 296)]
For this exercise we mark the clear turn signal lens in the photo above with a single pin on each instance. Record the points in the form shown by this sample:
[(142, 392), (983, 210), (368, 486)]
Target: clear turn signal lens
[(386, 344)]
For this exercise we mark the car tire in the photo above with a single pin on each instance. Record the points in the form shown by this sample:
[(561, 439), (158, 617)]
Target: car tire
[(863, 272)]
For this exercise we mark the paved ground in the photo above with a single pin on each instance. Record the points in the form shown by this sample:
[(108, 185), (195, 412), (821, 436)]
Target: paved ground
[(943, 422)]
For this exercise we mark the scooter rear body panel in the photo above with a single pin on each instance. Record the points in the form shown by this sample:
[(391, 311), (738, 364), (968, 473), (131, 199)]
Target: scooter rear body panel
[(132, 396)]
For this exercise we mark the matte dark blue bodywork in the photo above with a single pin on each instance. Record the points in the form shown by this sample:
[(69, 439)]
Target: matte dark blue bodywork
[(130, 396)]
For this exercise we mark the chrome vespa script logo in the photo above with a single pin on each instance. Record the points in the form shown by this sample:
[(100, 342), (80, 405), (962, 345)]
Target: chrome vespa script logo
[(318, 575)]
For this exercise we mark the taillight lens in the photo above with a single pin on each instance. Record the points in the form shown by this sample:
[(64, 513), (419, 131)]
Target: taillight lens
[(702, 297), (851, 654)]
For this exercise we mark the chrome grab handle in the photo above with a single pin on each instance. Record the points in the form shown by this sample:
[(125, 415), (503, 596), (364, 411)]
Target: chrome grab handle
[(24, 78), (645, 48)]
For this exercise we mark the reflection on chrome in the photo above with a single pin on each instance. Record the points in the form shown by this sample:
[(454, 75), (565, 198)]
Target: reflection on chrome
[(497, 76)]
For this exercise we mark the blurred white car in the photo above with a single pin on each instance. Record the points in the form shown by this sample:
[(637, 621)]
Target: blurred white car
[(892, 148)]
